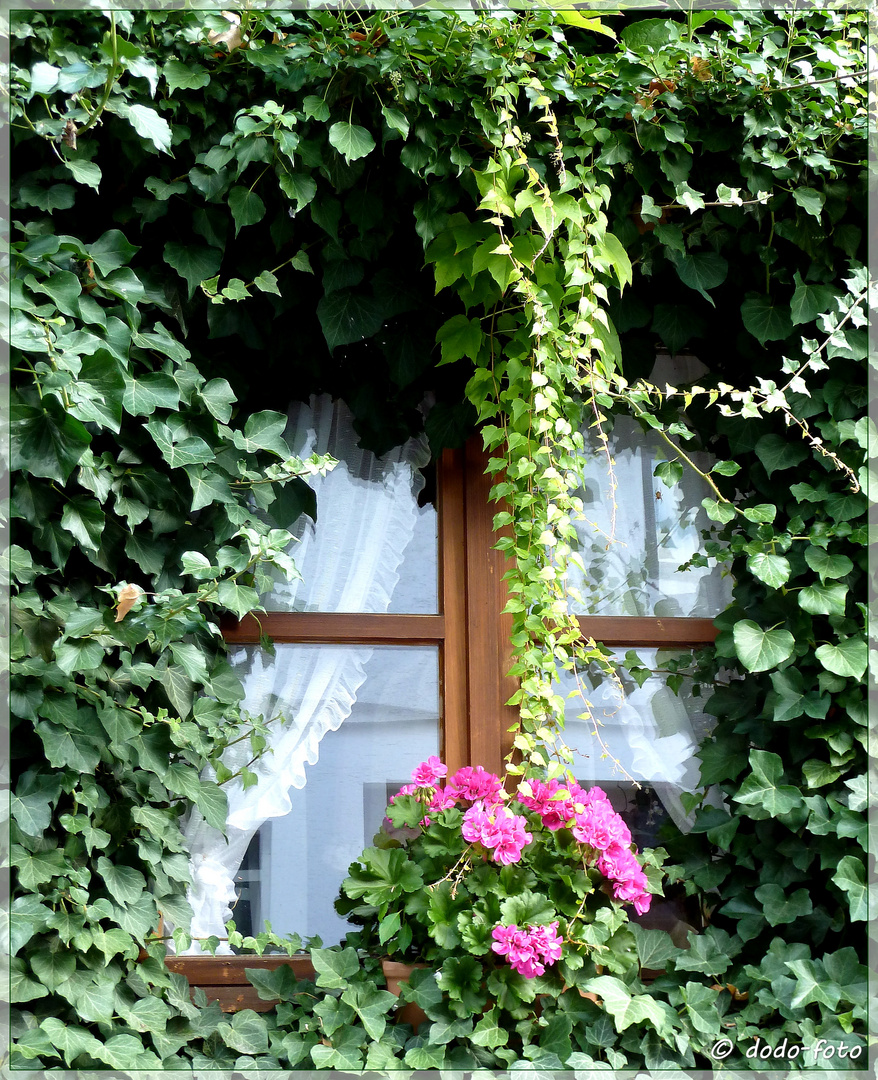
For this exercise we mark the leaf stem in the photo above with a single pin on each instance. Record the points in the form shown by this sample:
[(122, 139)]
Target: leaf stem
[(111, 78)]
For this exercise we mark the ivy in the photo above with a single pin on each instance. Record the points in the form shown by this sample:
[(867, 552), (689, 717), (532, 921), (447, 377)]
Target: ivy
[(509, 213)]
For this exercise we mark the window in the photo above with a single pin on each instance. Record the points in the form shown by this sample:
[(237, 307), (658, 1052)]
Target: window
[(392, 649)]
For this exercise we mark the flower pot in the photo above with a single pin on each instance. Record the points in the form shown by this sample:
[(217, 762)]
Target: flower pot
[(396, 973)]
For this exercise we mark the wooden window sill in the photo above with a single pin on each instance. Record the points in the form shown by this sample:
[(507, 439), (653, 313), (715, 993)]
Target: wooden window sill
[(223, 978)]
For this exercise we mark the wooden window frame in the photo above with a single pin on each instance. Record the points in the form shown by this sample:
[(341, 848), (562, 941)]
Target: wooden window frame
[(472, 637)]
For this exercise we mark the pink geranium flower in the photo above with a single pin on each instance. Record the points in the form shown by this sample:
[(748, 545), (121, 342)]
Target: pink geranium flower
[(528, 950), (429, 772), (474, 784), (497, 829)]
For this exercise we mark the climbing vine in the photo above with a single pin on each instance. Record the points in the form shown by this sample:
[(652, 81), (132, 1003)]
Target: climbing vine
[(510, 212)]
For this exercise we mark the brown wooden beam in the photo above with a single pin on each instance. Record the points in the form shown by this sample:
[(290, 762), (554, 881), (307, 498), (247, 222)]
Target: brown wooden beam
[(648, 631), (452, 592), (229, 970), (224, 979), (334, 628), (490, 652)]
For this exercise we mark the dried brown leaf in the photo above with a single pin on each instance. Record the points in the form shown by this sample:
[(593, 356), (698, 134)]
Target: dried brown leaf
[(127, 598)]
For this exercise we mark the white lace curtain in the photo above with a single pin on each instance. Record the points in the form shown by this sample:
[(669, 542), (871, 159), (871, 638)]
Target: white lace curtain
[(349, 562)]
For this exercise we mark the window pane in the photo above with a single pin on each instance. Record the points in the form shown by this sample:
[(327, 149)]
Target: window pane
[(652, 732), (632, 551), (373, 548), (296, 863)]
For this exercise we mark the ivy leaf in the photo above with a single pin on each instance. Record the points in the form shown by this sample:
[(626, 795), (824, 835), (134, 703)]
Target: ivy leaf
[(96, 395), (315, 108), (208, 487), (371, 1005), (125, 284), (701, 271), (92, 997), (850, 877), (267, 282), (247, 208), (774, 570), (849, 658), (809, 301), (422, 1057), (701, 1007), (351, 141), (263, 431), (71, 1039), (758, 649), (775, 452), (460, 337), (219, 397), (676, 325), (46, 440), (488, 1031), (343, 1053), (722, 512), (764, 513), (301, 189), (823, 599), (180, 76), (126, 1052), (780, 908), (789, 688), (191, 659), (625, 1008), (43, 78), (611, 247), (53, 966), (84, 519), (178, 686), (334, 968), (396, 120), (654, 947), (191, 450), (347, 316), (84, 172), (111, 251), (819, 773), (247, 1033), (124, 884), (193, 262), (31, 804), (213, 804), (149, 125), (710, 953), (766, 319), (669, 472), (761, 790), (64, 749), (826, 564), (810, 200)]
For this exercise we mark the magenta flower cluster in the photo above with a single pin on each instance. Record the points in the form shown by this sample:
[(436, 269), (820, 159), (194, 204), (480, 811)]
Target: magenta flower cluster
[(530, 949), (490, 822), (498, 829), (591, 818)]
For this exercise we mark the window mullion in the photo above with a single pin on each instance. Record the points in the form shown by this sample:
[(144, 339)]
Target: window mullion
[(489, 654), (453, 653)]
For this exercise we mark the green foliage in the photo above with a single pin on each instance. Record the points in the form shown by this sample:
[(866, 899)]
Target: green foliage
[(192, 196)]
